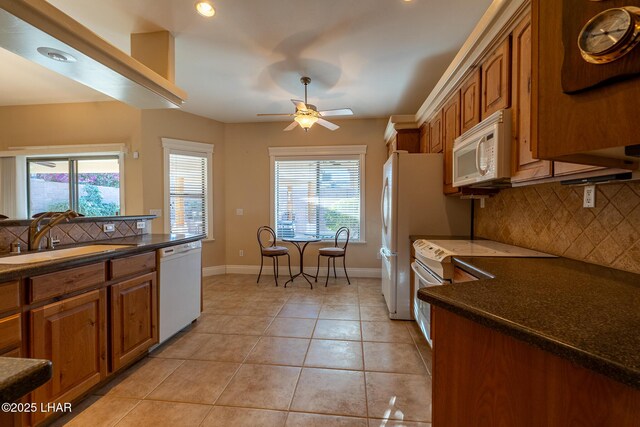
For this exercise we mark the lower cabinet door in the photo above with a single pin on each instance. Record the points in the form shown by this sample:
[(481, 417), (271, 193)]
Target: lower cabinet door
[(72, 334), (134, 318)]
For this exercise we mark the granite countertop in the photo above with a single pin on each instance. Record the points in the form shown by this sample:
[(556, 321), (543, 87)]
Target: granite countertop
[(20, 376), (583, 312), (138, 244)]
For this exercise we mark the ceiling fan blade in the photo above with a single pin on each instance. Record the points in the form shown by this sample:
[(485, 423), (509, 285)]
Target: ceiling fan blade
[(282, 114), (337, 112), (328, 125), (291, 126), (300, 105)]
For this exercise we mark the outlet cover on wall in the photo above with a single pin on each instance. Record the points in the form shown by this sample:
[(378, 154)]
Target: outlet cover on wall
[(108, 228), (589, 196), (239, 211), (156, 212), (141, 225), (241, 252)]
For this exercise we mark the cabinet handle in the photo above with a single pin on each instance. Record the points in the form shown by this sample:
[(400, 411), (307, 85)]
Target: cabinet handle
[(529, 85)]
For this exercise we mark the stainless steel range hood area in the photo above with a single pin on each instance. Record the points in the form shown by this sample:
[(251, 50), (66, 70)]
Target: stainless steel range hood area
[(26, 25)]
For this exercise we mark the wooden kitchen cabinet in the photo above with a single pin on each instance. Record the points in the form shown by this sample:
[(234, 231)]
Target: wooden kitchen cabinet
[(496, 79), (72, 333), (424, 138), (569, 126), (435, 133), (470, 101), (525, 166), (483, 377), (9, 296), (10, 334), (47, 286), (562, 168), (450, 131), (134, 319)]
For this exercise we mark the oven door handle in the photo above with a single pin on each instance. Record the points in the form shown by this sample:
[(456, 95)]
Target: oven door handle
[(430, 281)]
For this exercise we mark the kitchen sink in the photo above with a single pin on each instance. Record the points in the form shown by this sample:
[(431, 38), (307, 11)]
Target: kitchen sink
[(60, 253)]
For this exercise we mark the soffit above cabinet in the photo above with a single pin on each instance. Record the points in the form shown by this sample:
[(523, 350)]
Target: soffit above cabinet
[(26, 25)]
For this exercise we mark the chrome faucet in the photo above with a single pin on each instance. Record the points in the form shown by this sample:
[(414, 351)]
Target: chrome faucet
[(36, 233)]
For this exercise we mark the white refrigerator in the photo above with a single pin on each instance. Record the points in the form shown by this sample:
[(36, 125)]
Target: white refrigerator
[(413, 203)]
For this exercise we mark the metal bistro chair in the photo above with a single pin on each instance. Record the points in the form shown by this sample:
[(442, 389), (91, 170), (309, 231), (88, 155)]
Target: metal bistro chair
[(334, 252), (272, 251)]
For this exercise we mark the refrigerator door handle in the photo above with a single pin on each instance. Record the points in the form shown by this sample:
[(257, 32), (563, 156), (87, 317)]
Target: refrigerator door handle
[(385, 189), (386, 253)]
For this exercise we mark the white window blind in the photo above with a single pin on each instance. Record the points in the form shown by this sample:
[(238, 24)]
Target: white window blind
[(188, 193), (315, 197)]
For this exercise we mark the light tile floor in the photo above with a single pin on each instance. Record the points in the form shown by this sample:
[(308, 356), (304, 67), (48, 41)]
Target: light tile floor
[(262, 356)]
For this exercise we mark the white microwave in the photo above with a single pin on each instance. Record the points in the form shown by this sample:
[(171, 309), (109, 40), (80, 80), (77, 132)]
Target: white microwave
[(482, 155)]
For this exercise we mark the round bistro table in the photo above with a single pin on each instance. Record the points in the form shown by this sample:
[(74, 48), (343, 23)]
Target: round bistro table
[(301, 243)]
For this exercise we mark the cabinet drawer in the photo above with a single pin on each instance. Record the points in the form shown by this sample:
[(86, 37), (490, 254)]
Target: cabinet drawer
[(10, 332), (66, 281), (123, 267), (9, 296), (11, 353)]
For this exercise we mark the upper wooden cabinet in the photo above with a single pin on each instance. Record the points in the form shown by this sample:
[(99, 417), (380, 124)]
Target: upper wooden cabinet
[(435, 133), (405, 140), (424, 138), (450, 131), (524, 166), (567, 126), (496, 79), (470, 101)]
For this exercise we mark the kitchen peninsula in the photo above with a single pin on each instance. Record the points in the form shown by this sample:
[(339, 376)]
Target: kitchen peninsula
[(91, 314), (536, 342)]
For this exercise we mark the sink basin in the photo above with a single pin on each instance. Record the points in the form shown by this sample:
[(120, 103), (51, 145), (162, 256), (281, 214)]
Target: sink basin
[(60, 253)]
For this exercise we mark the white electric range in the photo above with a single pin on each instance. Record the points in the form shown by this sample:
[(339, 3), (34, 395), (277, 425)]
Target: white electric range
[(437, 255), (434, 267)]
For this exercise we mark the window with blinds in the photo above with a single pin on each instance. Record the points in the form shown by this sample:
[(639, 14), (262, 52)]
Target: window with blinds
[(315, 197), (187, 186), (188, 193)]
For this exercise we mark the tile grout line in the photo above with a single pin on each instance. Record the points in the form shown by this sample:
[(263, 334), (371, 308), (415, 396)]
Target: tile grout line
[(241, 364)]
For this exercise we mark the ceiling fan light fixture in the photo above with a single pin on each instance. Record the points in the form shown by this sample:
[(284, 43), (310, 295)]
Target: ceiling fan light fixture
[(205, 9), (306, 121)]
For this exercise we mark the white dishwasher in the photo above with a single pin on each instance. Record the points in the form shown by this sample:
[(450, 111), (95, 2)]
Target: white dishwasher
[(180, 277)]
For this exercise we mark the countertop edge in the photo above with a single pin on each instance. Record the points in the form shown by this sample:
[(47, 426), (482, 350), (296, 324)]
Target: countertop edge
[(25, 270), (597, 364), (29, 375)]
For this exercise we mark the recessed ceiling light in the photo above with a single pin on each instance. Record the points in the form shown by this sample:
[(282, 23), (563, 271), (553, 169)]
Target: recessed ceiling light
[(205, 8), (56, 55)]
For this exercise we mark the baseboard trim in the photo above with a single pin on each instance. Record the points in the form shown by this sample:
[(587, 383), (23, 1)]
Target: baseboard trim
[(268, 271), (214, 271)]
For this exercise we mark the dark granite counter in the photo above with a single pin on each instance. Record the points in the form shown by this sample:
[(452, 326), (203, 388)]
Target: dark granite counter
[(20, 376), (583, 312), (137, 244)]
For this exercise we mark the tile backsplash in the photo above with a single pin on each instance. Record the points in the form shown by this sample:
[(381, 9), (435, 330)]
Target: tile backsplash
[(550, 218), (69, 233)]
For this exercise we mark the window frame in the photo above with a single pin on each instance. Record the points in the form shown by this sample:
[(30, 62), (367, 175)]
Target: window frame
[(331, 152), (73, 177), (188, 148)]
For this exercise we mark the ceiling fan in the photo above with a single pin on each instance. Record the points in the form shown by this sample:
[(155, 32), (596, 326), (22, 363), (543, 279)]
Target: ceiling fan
[(307, 115)]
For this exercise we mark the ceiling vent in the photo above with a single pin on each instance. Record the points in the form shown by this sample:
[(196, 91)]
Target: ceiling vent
[(43, 34)]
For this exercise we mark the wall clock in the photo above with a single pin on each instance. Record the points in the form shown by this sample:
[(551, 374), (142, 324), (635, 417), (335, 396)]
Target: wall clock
[(610, 35), (600, 42)]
